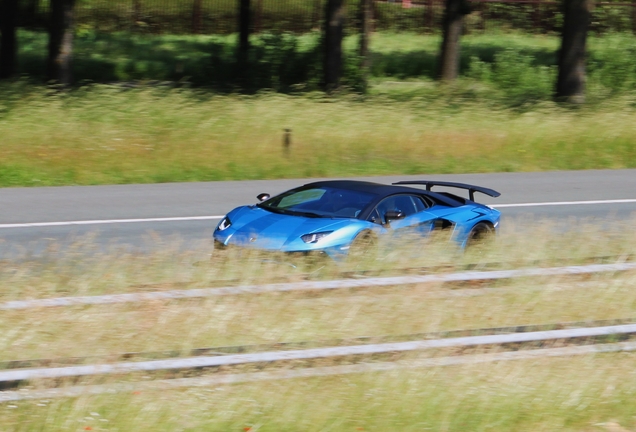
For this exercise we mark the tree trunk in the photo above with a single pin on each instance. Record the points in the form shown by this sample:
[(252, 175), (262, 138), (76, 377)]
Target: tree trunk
[(334, 32), (258, 21), (429, 16), (136, 12), (8, 41), (365, 32), (315, 20), (452, 30), (244, 31), (196, 16), (30, 11), (571, 80), (61, 32)]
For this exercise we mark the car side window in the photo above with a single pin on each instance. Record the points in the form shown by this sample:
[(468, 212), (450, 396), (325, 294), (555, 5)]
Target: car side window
[(420, 203), (407, 204)]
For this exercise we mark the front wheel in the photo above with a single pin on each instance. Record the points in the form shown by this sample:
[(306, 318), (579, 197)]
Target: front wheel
[(364, 248)]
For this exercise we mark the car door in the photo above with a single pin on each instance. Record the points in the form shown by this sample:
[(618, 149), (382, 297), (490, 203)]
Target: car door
[(415, 219)]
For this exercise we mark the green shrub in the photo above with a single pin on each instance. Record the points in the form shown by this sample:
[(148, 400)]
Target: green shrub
[(520, 80), (614, 66), (517, 68)]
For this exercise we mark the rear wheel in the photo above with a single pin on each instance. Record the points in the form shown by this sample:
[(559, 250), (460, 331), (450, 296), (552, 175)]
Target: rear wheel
[(480, 235)]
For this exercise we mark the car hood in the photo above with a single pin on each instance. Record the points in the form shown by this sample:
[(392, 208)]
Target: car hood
[(256, 227)]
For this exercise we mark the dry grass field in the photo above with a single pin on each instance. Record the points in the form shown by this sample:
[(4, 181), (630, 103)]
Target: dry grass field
[(106, 135), (584, 393)]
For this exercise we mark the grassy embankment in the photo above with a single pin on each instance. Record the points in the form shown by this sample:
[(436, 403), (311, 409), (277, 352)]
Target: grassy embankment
[(543, 394), (498, 118)]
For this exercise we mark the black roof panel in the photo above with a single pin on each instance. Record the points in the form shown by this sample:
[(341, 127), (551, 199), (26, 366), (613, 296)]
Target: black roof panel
[(383, 190), (364, 186)]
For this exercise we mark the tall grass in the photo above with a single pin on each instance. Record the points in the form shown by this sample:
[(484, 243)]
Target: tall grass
[(295, 317), (591, 393), (269, 319), (102, 135)]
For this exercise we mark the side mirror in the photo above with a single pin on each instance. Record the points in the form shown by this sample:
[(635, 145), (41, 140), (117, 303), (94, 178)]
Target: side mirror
[(392, 215), (262, 197)]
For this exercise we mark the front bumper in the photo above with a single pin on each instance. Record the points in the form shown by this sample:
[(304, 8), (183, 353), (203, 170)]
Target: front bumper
[(335, 253)]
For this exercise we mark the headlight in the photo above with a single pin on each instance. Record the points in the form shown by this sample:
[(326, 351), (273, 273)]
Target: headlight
[(315, 237), (225, 224)]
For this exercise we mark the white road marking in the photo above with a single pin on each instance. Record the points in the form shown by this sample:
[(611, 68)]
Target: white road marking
[(196, 218), (565, 203), (108, 221)]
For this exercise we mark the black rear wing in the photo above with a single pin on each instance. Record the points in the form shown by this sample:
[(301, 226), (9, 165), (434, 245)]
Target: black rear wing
[(471, 188)]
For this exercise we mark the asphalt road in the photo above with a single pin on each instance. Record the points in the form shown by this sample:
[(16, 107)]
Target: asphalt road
[(143, 217)]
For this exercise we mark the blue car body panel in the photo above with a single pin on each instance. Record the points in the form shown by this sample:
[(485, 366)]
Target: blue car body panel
[(257, 227)]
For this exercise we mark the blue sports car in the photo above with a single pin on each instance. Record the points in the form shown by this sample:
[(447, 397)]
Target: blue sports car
[(335, 218)]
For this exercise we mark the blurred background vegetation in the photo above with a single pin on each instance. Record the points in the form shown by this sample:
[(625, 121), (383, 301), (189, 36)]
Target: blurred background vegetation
[(511, 46), (159, 93), (520, 68), (303, 16)]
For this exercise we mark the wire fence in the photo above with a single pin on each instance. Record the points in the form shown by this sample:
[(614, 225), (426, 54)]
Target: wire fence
[(302, 16)]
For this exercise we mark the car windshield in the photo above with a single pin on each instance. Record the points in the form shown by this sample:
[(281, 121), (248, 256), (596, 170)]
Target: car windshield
[(320, 202)]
